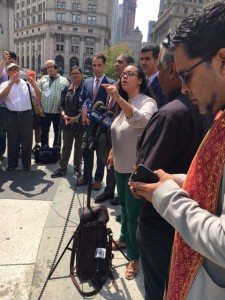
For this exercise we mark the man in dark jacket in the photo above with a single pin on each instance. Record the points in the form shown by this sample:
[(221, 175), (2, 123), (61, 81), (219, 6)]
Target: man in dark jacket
[(148, 60), (169, 141)]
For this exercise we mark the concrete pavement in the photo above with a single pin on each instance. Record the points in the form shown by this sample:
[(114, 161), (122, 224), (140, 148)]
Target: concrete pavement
[(30, 234)]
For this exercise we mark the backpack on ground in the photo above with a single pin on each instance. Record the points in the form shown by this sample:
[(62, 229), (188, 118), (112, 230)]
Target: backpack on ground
[(91, 257)]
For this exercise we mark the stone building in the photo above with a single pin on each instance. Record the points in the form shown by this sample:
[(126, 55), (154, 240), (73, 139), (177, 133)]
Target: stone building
[(69, 32), (172, 14), (6, 26)]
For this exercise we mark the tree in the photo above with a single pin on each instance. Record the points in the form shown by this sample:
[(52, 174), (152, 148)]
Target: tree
[(111, 53)]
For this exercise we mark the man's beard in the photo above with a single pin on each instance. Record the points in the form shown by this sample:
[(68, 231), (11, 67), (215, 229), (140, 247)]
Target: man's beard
[(210, 106)]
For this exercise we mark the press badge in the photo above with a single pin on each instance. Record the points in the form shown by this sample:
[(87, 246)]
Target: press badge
[(47, 93), (100, 253)]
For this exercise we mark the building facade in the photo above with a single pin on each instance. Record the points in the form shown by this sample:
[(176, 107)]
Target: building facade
[(6, 26), (174, 11), (128, 19), (69, 32)]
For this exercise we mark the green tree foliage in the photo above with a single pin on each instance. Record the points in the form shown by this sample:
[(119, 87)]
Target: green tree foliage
[(111, 53)]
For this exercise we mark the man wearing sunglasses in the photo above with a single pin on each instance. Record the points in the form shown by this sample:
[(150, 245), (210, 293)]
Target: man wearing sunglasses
[(195, 204)]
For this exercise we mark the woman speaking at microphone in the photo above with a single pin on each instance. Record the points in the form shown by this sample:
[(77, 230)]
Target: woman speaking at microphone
[(135, 109)]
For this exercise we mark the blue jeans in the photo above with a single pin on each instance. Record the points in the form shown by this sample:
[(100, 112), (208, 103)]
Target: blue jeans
[(4, 115)]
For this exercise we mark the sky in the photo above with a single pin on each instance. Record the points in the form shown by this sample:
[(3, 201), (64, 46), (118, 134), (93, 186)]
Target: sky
[(147, 10)]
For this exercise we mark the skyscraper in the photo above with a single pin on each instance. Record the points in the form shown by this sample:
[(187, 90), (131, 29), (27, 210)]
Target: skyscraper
[(128, 19)]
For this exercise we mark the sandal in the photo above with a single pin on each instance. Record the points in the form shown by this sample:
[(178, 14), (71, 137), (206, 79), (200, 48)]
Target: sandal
[(132, 270), (118, 243)]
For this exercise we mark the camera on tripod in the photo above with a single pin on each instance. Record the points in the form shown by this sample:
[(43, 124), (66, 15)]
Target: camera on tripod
[(100, 119)]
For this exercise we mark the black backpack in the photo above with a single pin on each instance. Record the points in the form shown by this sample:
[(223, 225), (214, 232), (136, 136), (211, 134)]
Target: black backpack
[(91, 257)]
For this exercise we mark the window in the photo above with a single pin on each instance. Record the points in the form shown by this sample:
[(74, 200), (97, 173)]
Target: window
[(76, 6), (17, 25), (17, 6), (75, 49), (90, 30), (22, 23), (59, 47), (43, 16), (23, 3), (90, 41), (89, 51), (61, 5), (91, 8), (76, 18), (28, 11), (39, 18), (28, 2), (40, 6), (60, 17), (43, 5), (59, 38), (17, 15), (28, 21), (91, 19), (33, 20), (33, 9), (75, 40), (23, 13)]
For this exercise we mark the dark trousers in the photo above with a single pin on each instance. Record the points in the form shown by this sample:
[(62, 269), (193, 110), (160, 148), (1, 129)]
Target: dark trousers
[(155, 241), (88, 157), (46, 121), (20, 132), (4, 115), (68, 138)]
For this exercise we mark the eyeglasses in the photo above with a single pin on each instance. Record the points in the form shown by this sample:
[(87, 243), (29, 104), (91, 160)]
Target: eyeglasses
[(74, 74), (128, 74), (183, 76)]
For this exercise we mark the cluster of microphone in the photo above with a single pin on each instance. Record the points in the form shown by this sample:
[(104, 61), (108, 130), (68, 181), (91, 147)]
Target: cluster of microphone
[(98, 119)]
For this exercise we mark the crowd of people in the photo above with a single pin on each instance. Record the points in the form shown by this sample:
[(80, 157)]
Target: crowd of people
[(167, 114)]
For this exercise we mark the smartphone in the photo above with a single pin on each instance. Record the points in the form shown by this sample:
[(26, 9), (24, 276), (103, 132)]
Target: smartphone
[(143, 174), (23, 76)]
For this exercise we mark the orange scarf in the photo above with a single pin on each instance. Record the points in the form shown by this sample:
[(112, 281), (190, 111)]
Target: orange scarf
[(202, 184)]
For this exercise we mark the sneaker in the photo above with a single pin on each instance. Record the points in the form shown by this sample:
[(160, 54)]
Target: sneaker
[(58, 173)]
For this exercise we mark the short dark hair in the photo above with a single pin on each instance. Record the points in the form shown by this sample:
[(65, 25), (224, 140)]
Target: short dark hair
[(76, 67), (202, 33), (13, 55), (128, 59), (99, 56), (151, 47)]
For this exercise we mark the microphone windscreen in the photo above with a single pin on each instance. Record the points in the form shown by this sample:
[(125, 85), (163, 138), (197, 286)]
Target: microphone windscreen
[(97, 105)]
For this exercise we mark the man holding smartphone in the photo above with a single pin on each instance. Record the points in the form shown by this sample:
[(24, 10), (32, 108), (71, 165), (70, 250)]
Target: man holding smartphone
[(7, 57), (169, 141), (20, 123)]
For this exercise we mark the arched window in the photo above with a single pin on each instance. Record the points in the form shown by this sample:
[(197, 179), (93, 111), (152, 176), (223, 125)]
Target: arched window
[(88, 67), (59, 60), (74, 61)]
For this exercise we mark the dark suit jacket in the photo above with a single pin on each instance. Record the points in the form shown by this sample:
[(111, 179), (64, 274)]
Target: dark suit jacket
[(87, 91), (158, 95)]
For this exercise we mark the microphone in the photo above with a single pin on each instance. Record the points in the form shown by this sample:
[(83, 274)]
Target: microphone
[(100, 118), (86, 108)]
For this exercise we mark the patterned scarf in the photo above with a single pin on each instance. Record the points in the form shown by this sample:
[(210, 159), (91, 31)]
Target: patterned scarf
[(202, 184)]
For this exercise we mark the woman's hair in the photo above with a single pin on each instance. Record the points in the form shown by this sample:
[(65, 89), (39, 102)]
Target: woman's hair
[(144, 88), (76, 67)]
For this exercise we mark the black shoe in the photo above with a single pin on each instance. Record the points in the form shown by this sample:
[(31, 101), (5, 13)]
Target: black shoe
[(12, 168), (103, 197), (114, 201), (58, 173), (2, 157), (77, 172), (118, 218), (26, 168)]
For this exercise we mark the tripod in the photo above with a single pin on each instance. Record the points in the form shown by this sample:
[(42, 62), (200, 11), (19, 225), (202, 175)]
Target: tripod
[(57, 260)]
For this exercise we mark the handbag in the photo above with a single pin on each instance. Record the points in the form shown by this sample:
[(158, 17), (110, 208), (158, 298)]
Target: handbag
[(36, 120), (92, 250)]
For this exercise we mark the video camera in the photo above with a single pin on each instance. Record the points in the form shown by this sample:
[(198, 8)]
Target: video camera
[(100, 119)]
